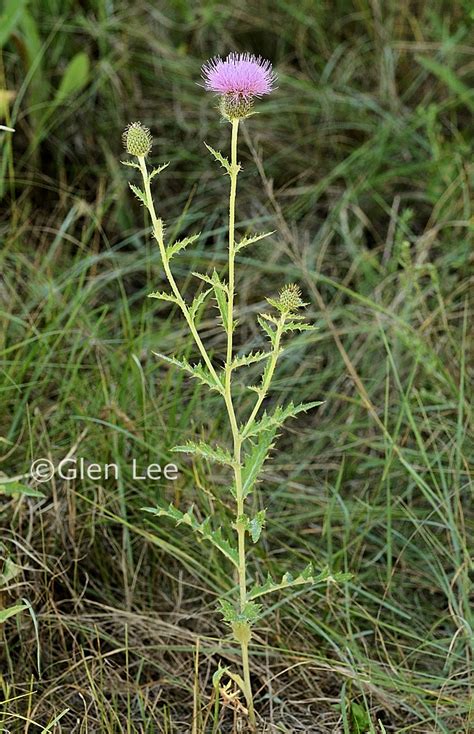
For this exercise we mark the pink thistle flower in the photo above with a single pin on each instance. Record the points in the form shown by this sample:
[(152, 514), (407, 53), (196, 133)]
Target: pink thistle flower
[(241, 76)]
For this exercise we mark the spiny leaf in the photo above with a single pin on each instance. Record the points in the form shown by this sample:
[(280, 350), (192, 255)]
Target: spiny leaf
[(298, 326), (267, 329), (305, 577), (228, 612), (216, 454), (139, 193), (278, 417), (132, 164), (250, 613), (245, 241), (250, 358), (163, 296), (267, 369), (197, 371), (215, 283), (255, 460), (220, 158), (197, 302), (269, 317), (180, 245), (220, 291), (204, 528), (158, 170)]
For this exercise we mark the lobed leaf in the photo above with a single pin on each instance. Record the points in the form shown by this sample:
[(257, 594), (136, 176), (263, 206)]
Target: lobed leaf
[(139, 194), (250, 613), (215, 283), (221, 293), (250, 358), (181, 245), (298, 326), (132, 164), (278, 417), (163, 296), (198, 302), (216, 454), (245, 241), (305, 577), (267, 329), (197, 371), (158, 170), (220, 158), (255, 460), (202, 528)]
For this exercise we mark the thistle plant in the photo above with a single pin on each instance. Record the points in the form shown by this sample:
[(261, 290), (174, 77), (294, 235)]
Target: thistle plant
[(238, 81)]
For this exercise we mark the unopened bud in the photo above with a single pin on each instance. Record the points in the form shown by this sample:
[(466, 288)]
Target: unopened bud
[(290, 298), (137, 139)]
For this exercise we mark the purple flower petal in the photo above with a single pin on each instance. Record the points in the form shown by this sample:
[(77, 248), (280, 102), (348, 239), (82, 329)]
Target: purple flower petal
[(241, 75)]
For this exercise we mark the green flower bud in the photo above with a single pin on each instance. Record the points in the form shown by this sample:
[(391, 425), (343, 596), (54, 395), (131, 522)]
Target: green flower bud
[(290, 298), (137, 139), (235, 107)]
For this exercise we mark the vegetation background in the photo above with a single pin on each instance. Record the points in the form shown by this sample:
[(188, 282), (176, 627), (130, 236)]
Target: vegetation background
[(362, 163)]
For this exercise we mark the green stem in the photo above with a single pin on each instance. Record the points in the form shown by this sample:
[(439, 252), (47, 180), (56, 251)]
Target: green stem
[(157, 225), (237, 439), (268, 375)]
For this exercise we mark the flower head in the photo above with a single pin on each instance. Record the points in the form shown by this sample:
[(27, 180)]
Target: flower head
[(238, 78), (137, 139), (290, 298)]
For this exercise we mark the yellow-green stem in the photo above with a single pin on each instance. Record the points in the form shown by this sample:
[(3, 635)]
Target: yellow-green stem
[(268, 374), (157, 225), (237, 439)]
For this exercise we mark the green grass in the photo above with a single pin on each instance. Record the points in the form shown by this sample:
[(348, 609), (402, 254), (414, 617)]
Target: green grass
[(361, 162)]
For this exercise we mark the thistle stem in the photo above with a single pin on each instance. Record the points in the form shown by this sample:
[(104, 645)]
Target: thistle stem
[(157, 226), (237, 439), (268, 374)]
